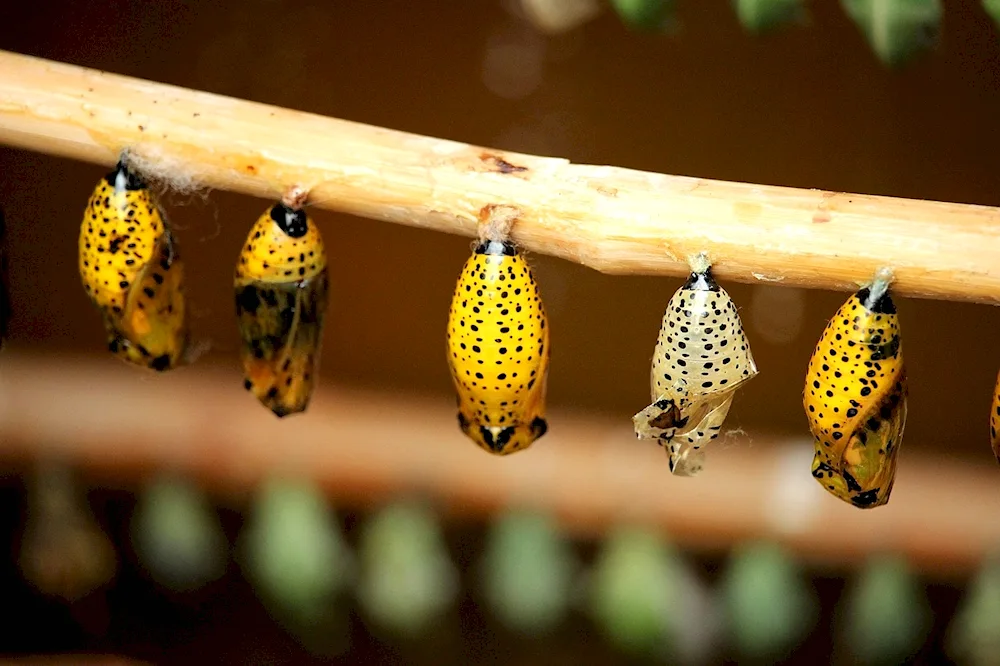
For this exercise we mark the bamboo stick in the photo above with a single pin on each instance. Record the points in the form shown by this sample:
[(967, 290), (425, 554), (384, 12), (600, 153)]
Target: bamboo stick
[(615, 220), (366, 448)]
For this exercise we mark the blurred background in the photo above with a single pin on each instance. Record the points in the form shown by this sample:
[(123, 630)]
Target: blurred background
[(162, 559)]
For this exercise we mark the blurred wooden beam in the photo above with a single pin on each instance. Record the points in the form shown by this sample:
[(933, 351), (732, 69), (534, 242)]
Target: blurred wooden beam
[(615, 220), (366, 448)]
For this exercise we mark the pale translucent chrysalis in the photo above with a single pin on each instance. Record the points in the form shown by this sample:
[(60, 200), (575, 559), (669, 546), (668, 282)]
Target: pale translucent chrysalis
[(702, 356)]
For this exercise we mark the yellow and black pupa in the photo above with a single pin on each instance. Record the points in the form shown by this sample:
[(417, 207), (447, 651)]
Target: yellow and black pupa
[(281, 295), (702, 356), (132, 271), (855, 398), (4, 289), (995, 420), (498, 349)]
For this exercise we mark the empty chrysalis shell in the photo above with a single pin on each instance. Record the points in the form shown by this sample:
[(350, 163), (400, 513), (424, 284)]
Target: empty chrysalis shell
[(855, 398), (702, 356)]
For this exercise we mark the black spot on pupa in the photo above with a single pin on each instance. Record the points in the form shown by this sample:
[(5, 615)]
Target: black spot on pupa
[(290, 220), (852, 483), (248, 300), (539, 427), (866, 498), (505, 248)]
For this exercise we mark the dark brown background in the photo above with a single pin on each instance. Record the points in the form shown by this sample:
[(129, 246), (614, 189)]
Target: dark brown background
[(809, 107)]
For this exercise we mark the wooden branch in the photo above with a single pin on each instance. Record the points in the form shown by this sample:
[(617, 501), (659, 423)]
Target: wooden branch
[(367, 448), (615, 220)]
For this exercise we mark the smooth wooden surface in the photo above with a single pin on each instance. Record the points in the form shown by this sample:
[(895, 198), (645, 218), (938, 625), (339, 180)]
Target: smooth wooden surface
[(366, 448), (615, 220)]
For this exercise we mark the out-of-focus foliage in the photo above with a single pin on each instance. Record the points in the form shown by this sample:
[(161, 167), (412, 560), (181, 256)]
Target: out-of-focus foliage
[(293, 552), (897, 30), (177, 535), (632, 587), (695, 621), (407, 578), (527, 571), (974, 634), (645, 14), (64, 552), (992, 8), (769, 608), (886, 614), (764, 15)]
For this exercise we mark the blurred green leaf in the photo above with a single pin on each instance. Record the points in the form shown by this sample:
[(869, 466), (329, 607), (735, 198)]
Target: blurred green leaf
[(769, 607), (293, 551), (644, 14), (974, 635), (177, 535), (632, 588), (764, 15), (694, 622), (407, 578), (897, 30), (992, 8), (527, 571), (886, 613)]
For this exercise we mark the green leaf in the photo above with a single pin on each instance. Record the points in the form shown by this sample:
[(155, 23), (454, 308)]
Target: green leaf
[(527, 571), (886, 613), (992, 8), (177, 535), (407, 578), (974, 635), (293, 552), (644, 14), (897, 30), (768, 606), (764, 15), (632, 589)]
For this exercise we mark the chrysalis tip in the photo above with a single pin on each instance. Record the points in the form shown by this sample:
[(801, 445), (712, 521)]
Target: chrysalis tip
[(699, 262)]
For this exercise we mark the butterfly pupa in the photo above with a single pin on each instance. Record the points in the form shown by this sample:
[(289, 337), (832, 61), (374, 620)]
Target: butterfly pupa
[(4, 289), (995, 421), (702, 356), (281, 287), (855, 398), (132, 272), (498, 350)]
